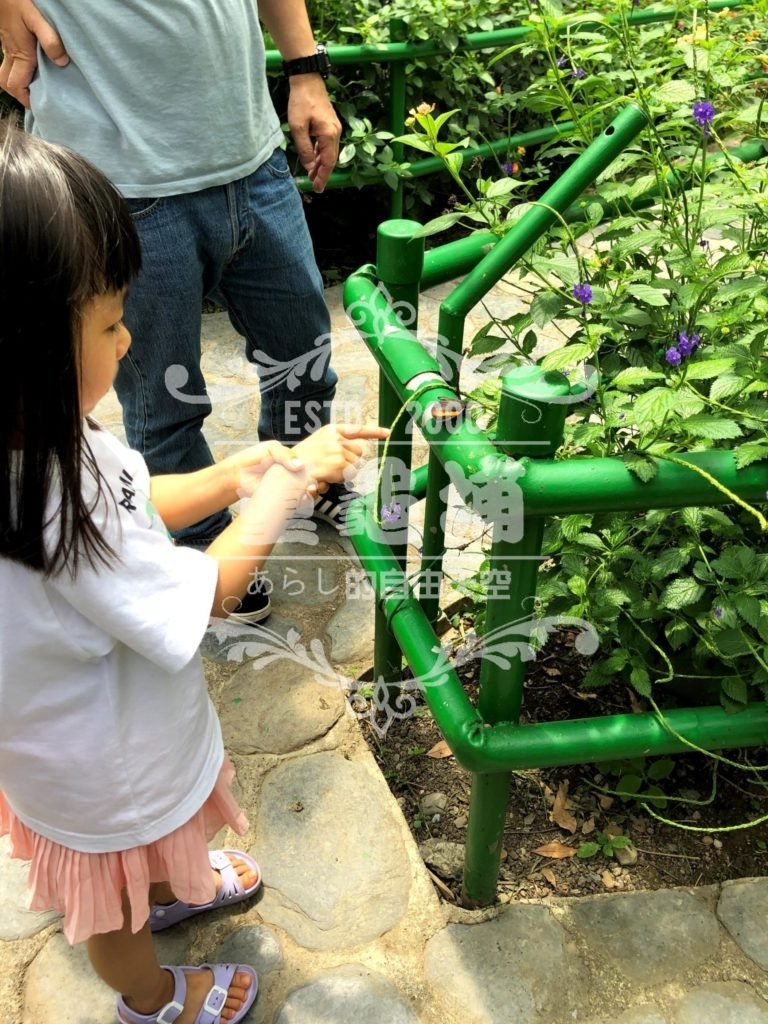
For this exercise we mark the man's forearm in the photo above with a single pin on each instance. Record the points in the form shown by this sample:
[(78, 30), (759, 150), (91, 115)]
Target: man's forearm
[(287, 22)]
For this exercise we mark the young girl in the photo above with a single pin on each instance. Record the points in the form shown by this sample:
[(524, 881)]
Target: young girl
[(113, 775)]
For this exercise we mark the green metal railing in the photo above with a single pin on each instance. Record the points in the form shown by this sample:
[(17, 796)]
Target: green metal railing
[(488, 739)]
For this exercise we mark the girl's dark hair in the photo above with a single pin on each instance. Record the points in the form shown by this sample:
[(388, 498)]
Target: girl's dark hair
[(65, 236)]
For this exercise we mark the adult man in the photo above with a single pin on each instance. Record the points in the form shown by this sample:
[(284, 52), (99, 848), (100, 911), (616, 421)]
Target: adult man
[(170, 99)]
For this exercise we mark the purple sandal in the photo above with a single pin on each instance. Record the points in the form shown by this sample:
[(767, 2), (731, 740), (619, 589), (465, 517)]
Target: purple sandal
[(163, 915), (210, 1011)]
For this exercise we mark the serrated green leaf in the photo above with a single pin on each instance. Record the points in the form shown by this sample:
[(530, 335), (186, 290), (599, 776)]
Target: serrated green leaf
[(735, 562), (646, 293), (545, 307), (568, 356), (643, 468), (678, 633), (572, 526), (680, 593), (752, 451), (655, 404), (676, 91), (731, 643), (715, 428), (725, 386), (629, 378), (692, 517), (735, 689), (748, 608), (640, 681), (706, 369)]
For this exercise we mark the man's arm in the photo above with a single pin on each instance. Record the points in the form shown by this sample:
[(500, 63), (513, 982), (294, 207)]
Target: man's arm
[(311, 118), (22, 27)]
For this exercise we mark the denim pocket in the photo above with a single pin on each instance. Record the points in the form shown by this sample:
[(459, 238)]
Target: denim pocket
[(277, 165), (144, 206)]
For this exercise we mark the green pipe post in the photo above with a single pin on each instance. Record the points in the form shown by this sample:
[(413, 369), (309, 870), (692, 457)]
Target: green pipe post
[(399, 263), (536, 221), (398, 33), (531, 420)]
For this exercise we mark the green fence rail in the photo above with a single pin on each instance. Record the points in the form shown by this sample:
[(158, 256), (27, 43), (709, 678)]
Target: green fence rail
[(488, 739)]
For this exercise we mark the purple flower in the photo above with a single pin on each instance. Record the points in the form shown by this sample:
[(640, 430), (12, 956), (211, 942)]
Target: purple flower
[(703, 113), (510, 168), (582, 293), (390, 513), (673, 356), (562, 62), (717, 612), (687, 343), (578, 73)]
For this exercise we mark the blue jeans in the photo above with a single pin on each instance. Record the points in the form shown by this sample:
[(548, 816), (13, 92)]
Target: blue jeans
[(246, 247)]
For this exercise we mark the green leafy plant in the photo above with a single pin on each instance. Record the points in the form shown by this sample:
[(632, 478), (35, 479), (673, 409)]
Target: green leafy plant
[(604, 843), (638, 779), (662, 310)]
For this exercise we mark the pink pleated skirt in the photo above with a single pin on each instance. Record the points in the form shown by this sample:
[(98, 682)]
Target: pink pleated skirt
[(87, 887)]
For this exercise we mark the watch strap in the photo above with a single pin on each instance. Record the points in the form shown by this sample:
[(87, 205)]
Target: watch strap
[(317, 63)]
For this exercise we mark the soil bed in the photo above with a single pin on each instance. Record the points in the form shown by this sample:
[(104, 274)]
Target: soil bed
[(555, 813)]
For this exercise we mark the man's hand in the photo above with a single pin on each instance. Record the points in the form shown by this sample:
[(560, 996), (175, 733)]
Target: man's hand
[(315, 127), (22, 27)]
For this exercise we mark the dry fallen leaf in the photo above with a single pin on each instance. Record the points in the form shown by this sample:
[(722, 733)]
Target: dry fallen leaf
[(588, 827), (606, 802), (440, 749), (549, 875), (555, 850), (561, 813), (635, 704)]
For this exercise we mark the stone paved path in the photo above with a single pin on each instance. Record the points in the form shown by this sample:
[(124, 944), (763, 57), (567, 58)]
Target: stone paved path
[(348, 928)]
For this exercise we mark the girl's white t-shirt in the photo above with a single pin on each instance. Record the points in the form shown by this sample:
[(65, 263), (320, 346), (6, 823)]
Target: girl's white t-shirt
[(108, 738)]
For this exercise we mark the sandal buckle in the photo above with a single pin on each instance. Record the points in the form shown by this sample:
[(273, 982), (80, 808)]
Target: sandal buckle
[(172, 1007), (215, 999)]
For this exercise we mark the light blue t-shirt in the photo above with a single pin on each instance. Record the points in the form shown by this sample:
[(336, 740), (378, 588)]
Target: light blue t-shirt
[(164, 96)]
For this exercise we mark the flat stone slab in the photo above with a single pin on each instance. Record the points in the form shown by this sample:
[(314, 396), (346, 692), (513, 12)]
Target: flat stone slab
[(335, 867), (275, 704), (17, 921), (725, 1002), (520, 966), (346, 995), (351, 630), (662, 934), (743, 909)]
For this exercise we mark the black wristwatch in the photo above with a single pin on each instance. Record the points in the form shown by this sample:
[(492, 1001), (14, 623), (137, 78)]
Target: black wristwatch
[(319, 63)]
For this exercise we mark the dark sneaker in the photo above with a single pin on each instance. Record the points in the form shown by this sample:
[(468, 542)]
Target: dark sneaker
[(255, 605), (331, 507)]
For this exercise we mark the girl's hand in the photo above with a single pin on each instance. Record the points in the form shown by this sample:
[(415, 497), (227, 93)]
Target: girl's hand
[(251, 465), (332, 452), (285, 491)]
